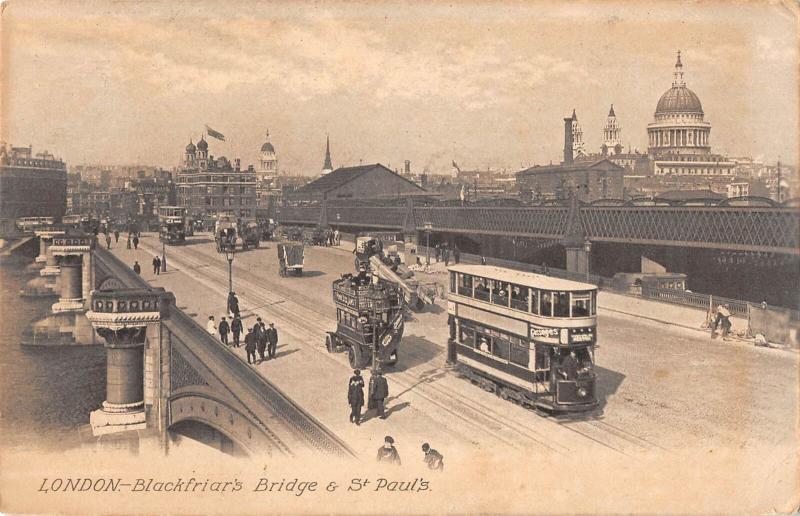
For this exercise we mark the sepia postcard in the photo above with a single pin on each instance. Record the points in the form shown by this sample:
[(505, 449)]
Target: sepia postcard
[(399, 257)]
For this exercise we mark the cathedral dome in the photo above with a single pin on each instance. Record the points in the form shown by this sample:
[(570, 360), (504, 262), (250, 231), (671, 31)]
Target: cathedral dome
[(267, 147), (679, 99)]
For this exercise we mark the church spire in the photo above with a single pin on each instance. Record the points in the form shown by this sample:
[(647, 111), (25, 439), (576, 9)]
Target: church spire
[(327, 167), (678, 73), (611, 111)]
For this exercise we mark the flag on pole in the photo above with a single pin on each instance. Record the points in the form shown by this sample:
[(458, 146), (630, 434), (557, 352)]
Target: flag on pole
[(215, 134)]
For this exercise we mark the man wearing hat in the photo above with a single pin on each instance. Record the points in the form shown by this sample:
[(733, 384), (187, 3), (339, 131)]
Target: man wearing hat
[(388, 453), (272, 339), (378, 392), (355, 396), (250, 345), (433, 458), (261, 338)]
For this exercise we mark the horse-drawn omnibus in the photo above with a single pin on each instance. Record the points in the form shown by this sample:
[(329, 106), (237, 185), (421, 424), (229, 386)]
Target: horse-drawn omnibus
[(530, 338)]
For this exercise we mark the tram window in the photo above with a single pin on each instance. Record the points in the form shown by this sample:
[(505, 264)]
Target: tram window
[(580, 304), (535, 301), (520, 354), (500, 293), (453, 282), (500, 348), (519, 297), (481, 290), (467, 337), (560, 304), (465, 285), (594, 303), (546, 304), (543, 354)]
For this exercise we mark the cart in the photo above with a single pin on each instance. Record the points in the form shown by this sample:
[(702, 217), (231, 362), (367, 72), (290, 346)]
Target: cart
[(290, 259)]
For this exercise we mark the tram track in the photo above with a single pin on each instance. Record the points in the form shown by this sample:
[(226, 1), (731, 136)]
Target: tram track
[(468, 412), (294, 309)]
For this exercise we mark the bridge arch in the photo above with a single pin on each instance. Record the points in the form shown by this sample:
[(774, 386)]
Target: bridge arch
[(197, 404)]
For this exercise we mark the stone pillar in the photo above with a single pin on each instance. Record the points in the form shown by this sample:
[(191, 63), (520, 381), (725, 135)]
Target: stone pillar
[(126, 319), (577, 259), (71, 298), (43, 245), (75, 270)]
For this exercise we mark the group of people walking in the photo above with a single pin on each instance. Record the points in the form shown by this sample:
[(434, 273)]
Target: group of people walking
[(377, 394), (388, 454), (443, 254), (259, 338)]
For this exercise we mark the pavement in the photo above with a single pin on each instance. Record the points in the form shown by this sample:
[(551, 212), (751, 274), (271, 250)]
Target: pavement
[(661, 386)]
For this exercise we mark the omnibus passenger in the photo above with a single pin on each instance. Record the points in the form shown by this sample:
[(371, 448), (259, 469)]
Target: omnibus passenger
[(569, 366)]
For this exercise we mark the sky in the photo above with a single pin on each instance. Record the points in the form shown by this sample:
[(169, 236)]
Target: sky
[(484, 84)]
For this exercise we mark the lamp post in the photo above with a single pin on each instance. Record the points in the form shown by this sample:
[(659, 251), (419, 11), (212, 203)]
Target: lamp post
[(163, 257), (587, 246), (428, 227), (376, 299), (229, 255)]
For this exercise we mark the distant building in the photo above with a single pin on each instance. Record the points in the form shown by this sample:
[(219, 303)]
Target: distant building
[(587, 180), (679, 137), (30, 185), (207, 187), (361, 182), (268, 164)]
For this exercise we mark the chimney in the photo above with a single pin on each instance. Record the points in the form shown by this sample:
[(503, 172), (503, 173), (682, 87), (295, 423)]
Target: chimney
[(238, 164), (407, 168), (568, 141)]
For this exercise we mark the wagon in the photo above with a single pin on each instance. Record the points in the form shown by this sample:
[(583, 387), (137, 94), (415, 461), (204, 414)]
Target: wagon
[(290, 259)]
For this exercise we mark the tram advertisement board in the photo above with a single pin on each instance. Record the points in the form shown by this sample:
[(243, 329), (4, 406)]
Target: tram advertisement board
[(543, 334)]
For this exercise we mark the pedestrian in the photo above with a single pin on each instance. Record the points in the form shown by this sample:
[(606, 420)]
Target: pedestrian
[(137, 268), (378, 391), (129, 240), (261, 338), (388, 453), (446, 253), (722, 319), (116, 236), (108, 241), (233, 304), (136, 242), (156, 265), (433, 458), (272, 339), (355, 396), (236, 329), (250, 345), (438, 253), (224, 328), (211, 326), (336, 236), (456, 255), (483, 260)]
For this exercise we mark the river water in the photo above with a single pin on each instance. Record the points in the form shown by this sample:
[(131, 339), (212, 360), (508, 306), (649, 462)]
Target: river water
[(46, 393)]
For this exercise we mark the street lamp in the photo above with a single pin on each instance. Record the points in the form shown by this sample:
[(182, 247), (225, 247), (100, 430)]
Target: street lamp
[(428, 227), (376, 299), (229, 255), (587, 246), (163, 257)]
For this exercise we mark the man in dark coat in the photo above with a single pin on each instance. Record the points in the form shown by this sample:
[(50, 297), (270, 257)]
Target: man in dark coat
[(233, 303), (378, 392), (156, 265), (223, 329), (137, 268), (272, 339), (355, 396), (116, 236), (236, 329), (261, 338), (129, 241), (433, 458), (456, 255), (388, 453), (250, 345), (136, 242)]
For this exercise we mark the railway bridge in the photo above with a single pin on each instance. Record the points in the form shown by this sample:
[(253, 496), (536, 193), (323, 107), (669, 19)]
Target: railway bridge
[(724, 246)]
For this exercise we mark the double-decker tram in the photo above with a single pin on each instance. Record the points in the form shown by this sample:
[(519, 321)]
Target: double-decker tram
[(172, 224), (530, 338)]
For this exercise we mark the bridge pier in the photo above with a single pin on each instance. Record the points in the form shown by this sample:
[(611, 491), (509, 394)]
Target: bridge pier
[(128, 320), (77, 273), (578, 258)]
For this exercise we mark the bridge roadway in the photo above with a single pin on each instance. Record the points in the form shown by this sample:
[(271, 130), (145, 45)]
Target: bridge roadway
[(661, 387)]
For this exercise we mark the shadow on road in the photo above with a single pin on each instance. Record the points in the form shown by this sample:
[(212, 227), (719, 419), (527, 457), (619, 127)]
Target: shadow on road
[(608, 383), (279, 354), (415, 351)]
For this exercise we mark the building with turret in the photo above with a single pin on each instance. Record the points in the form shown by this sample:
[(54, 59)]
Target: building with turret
[(268, 162), (207, 187)]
